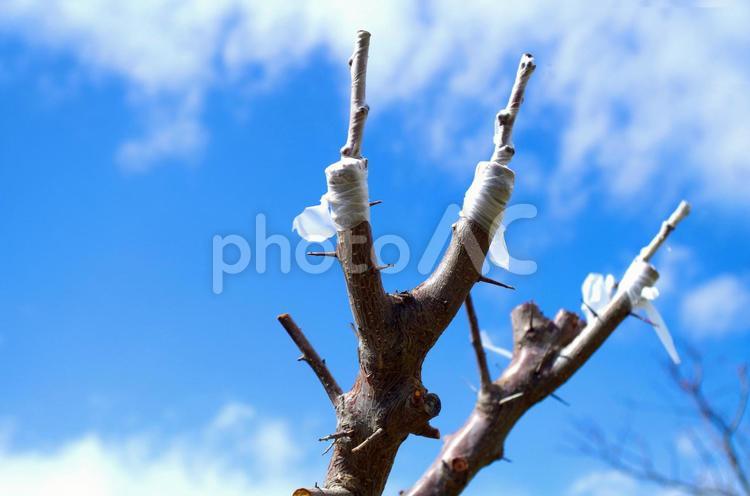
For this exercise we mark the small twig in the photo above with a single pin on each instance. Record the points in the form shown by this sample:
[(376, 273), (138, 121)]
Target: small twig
[(588, 307), (494, 282), (312, 358), (320, 491), (643, 319), (354, 329), (694, 388), (507, 117), (595, 333), (669, 225), (476, 342), (376, 202), (744, 396), (358, 107), (322, 254), (336, 435), (510, 398), (558, 398), (378, 432)]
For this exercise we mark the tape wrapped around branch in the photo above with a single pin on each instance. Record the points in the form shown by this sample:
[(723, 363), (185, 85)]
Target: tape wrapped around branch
[(488, 195), (638, 282), (345, 205)]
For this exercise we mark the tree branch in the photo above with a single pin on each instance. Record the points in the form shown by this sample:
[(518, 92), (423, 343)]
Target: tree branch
[(442, 294), (476, 342), (592, 337), (669, 225), (309, 355), (725, 430), (545, 354), (507, 117), (358, 108), (613, 452), (354, 250)]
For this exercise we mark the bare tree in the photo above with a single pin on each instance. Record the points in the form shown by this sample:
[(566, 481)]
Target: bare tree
[(395, 331), (714, 437)]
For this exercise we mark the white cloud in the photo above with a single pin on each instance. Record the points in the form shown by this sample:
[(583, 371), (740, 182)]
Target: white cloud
[(645, 96), (612, 483), (232, 416), (143, 465), (717, 307), (676, 264), (607, 483)]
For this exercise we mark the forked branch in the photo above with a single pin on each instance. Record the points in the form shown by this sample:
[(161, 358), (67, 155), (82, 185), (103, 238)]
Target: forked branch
[(545, 354), (388, 401)]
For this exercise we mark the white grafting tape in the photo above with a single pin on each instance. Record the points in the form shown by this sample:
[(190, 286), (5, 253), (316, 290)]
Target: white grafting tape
[(488, 195), (347, 195), (638, 283), (597, 291), (345, 205)]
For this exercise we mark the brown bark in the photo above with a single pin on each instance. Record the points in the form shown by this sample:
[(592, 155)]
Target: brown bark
[(396, 331)]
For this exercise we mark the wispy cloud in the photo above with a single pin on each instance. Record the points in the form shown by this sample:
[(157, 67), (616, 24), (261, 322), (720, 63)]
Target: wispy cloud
[(605, 483), (645, 97), (612, 483), (717, 307), (260, 458)]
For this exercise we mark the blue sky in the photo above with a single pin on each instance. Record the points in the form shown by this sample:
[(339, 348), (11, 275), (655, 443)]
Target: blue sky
[(130, 136)]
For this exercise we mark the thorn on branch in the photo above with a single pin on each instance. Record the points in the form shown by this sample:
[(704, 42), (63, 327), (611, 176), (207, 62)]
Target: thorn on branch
[(510, 398), (322, 254), (375, 435), (337, 435), (354, 329), (383, 267), (643, 319), (559, 399), (494, 282), (588, 307)]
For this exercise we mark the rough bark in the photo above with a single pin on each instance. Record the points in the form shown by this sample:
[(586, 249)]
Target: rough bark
[(388, 400), (545, 355)]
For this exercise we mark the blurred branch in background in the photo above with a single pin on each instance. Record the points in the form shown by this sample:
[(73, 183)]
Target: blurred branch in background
[(714, 455)]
